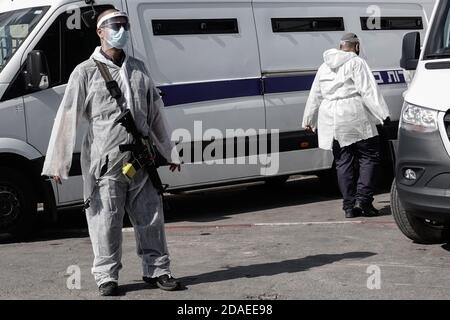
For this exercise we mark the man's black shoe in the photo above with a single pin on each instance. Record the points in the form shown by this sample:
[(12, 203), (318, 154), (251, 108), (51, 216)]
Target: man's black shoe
[(108, 289), (367, 209), (164, 282), (351, 213)]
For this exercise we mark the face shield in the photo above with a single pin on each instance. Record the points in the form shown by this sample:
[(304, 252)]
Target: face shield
[(116, 27)]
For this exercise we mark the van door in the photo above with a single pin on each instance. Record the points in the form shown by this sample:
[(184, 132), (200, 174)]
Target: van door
[(66, 43), (292, 37), (204, 58)]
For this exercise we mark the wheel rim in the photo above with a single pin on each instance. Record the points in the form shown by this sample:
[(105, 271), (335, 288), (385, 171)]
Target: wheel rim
[(9, 206)]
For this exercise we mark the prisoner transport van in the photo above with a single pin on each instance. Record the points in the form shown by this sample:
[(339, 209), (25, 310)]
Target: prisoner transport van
[(420, 197), (242, 65)]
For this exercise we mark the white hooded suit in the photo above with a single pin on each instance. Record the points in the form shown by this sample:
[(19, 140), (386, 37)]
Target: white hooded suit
[(87, 96), (345, 103)]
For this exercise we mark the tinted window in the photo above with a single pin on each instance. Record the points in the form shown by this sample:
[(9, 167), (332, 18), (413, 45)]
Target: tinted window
[(438, 45), (307, 24), (194, 26), (64, 49), (15, 26), (50, 43), (392, 23), (77, 46)]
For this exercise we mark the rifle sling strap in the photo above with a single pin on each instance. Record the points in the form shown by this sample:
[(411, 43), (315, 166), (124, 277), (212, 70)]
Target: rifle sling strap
[(116, 93), (111, 84)]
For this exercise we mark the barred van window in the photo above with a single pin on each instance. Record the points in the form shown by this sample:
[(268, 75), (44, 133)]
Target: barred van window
[(391, 23), (307, 24), (194, 26)]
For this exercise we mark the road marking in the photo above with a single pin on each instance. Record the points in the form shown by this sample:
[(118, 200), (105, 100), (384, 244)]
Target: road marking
[(396, 265), (244, 225), (418, 286), (278, 224), (261, 224)]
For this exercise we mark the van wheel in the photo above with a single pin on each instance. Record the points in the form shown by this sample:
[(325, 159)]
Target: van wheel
[(18, 205), (415, 228)]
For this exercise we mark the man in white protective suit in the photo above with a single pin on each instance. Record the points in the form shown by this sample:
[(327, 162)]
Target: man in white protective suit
[(345, 106), (108, 191)]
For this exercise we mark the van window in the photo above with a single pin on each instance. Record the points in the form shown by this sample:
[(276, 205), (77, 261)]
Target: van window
[(194, 26), (438, 45), (307, 24), (392, 23), (15, 26), (64, 49), (51, 44)]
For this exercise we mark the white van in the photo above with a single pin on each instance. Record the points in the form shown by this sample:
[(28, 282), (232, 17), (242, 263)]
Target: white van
[(221, 64), (420, 196)]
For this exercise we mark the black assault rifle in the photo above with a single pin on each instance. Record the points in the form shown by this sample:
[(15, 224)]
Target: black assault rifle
[(142, 151)]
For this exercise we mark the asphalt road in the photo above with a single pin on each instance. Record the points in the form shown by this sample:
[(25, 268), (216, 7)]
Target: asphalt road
[(247, 242)]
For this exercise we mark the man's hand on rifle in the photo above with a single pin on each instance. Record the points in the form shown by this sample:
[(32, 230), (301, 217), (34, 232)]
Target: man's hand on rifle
[(174, 166)]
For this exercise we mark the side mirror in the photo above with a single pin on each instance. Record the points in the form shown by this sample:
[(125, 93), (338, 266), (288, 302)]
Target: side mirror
[(410, 51), (36, 72)]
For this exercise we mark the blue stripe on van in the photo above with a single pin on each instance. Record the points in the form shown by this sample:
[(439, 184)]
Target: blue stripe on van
[(288, 84), (216, 90), (206, 91), (389, 77)]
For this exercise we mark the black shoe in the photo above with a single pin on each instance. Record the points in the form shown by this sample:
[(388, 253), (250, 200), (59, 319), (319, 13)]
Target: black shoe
[(108, 289), (367, 209), (164, 282), (351, 213)]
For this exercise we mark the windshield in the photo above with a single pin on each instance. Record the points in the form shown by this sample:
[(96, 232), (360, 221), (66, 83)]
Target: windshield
[(438, 45), (15, 26)]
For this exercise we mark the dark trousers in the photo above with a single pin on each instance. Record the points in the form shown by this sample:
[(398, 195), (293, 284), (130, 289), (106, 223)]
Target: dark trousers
[(357, 167)]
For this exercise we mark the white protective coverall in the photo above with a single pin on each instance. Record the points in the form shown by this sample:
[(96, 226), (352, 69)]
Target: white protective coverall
[(87, 96), (345, 103)]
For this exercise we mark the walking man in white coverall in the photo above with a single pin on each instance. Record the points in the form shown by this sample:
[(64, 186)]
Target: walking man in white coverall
[(110, 192), (345, 106)]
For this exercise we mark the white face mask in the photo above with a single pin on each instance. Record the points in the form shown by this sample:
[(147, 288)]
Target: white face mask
[(117, 39)]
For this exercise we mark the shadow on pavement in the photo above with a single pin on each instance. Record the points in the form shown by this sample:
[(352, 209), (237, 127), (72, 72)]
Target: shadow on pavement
[(261, 270), (206, 206), (215, 205)]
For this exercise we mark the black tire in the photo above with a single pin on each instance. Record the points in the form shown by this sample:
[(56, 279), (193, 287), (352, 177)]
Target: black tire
[(415, 228), (276, 182), (18, 204)]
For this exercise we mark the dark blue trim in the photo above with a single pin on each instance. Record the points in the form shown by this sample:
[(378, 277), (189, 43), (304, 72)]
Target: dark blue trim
[(288, 84), (389, 77), (216, 90), (207, 91)]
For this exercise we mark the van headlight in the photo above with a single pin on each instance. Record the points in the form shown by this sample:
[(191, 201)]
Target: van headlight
[(415, 118)]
